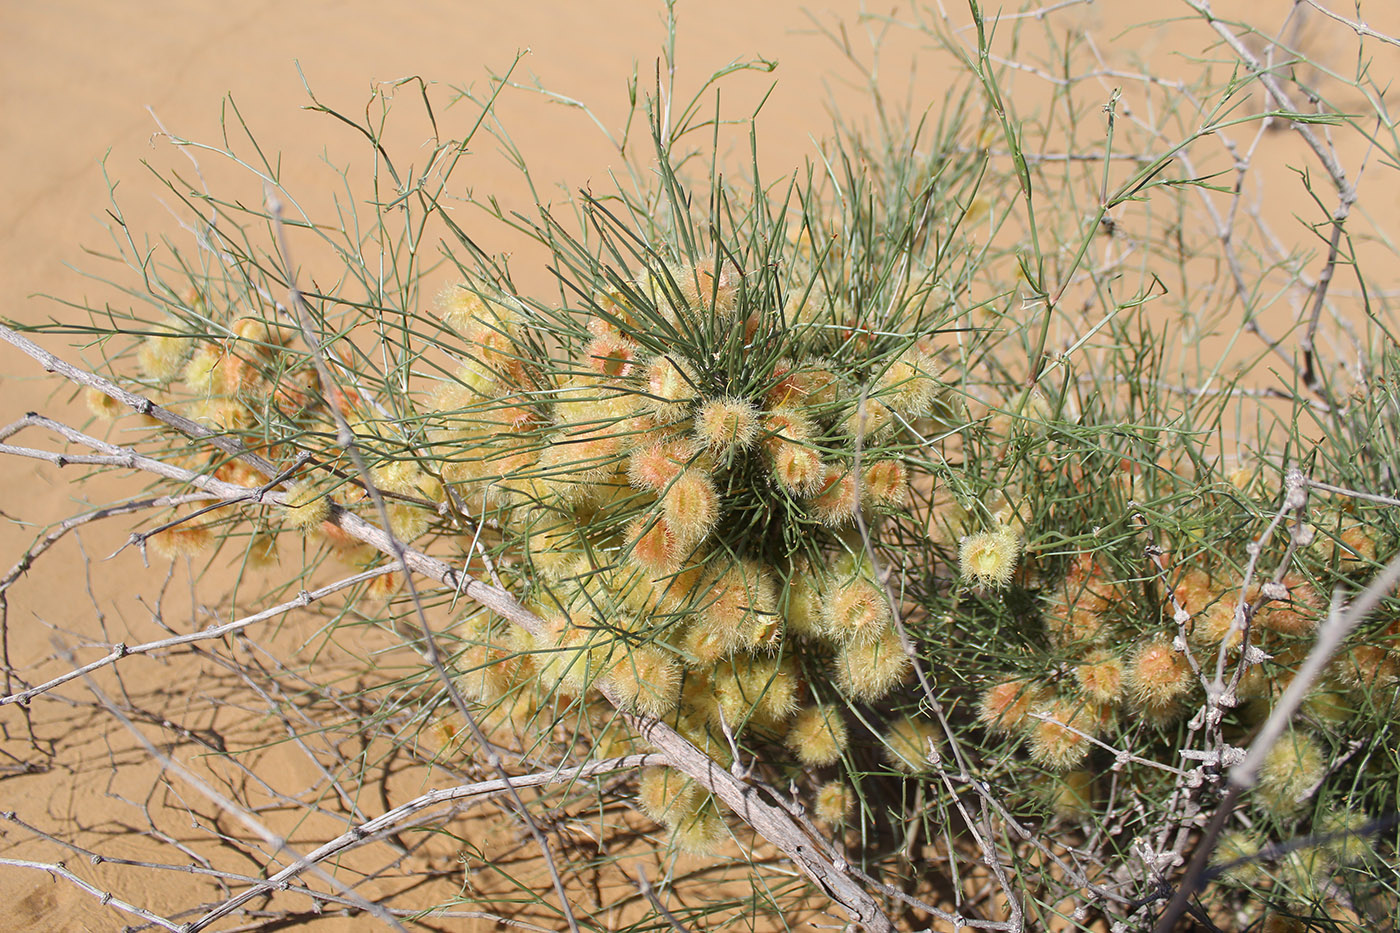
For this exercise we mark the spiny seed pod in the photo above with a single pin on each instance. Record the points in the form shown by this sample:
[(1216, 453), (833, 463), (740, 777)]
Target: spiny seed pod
[(553, 540), (1368, 666), (753, 688), (1216, 622), (203, 373), (489, 663), (908, 743), (944, 518), (886, 485), (817, 735), (162, 358), (1356, 547), (182, 541), (690, 506), (703, 289), (777, 684), (784, 425), (305, 507), (611, 356), (835, 801), (806, 599), (382, 588), (663, 793), (408, 522), (869, 670), (835, 500), (741, 601), (906, 386), (1290, 771), (797, 468), (648, 680), (726, 425), (1100, 677), (407, 479), (870, 419), (260, 333), (1235, 855), (806, 387), (1194, 591), (989, 558), (671, 388), (571, 655), (1060, 739), (655, 466), (1005, 706), (103, 405), (222, 414), (856, 610), (1347, 842), (1081, 611), (700, 832), (262, 549), (1297, 615), (1157, 675), (708, 645)]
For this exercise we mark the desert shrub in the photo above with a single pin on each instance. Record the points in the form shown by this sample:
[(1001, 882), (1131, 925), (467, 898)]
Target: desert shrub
[(901, 519)]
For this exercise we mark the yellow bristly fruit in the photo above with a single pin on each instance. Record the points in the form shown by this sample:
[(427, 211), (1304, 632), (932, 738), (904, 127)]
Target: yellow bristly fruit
[(648, 680), (1292, 769), (869, 669), (162, 358), (1005, 706), (835, 801), (818, 735), (304, 507), (726, 425), (671, 388), (691, 507), (989, 558), (182, 541), (103, 405), (886, 485), (663, 793), (1100, 677), (1157, 676), (1061, 739), (856, 609), (908, 743)]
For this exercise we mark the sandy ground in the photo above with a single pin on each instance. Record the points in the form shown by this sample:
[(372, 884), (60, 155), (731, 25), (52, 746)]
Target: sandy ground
[(79, 77)]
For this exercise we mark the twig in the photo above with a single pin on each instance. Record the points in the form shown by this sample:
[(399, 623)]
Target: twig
[(119, 650), (402, 815), (1243, 776), (104, 897)]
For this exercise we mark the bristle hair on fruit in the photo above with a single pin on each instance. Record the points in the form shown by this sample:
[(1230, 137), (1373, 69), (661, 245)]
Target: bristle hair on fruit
[(834, 802), (303, 507), (1290, 772), (1005, 706), (1060, 733), (856, 609), (181, 541), (817, 735), (690, 505), (989, 558), (908, 744), (1157, 674), (726, 425), (647, 679), (869, 670)]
